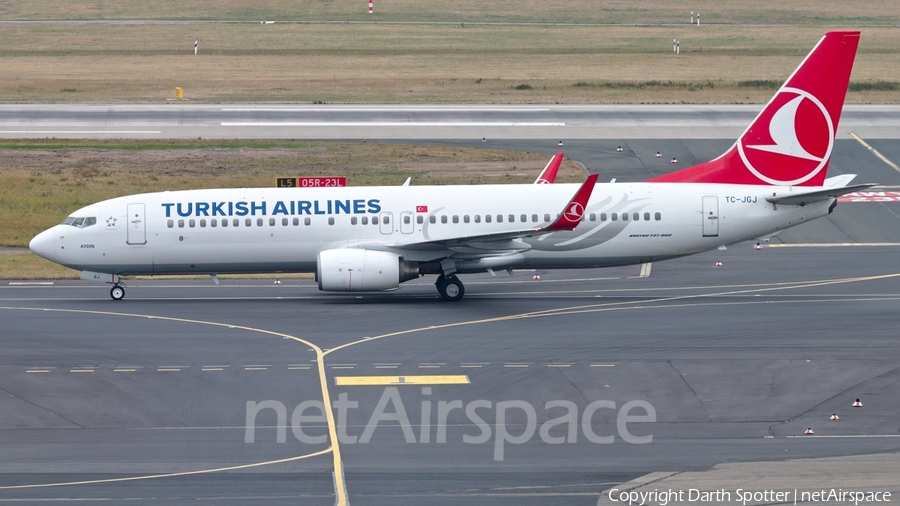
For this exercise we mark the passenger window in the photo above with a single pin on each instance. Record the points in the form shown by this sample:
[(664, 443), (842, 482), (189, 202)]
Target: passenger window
[(499, 218), (624, 216), (657, 216), (432, 219), (353, 220), (271, 222), (444, 219), (407, 220), (191, 223), (523, 218), (224, 222), (296, 221), (534, 218), (602, 216), (331, 220), (213, 222), (259, 222), (170, 223), (307, 221), (236, 222), (420, 219), (365, 220), (455, 219), (487, 218), (593, 217), (465, 218), (248, 222), (385, 219), (512, 218), (613, 217), (477, 218), (202, 223), (180, 223), (374, 220), (636, 216), (646, 216), (546, 217)]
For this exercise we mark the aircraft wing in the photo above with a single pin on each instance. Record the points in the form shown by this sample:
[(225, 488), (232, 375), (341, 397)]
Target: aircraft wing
[(568, 219), (801, 199)]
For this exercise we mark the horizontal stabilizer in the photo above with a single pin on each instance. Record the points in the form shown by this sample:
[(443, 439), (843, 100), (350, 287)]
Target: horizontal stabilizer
[(802, 199)]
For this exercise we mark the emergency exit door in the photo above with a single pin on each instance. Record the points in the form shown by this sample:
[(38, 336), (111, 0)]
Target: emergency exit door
[(137, 225), (710, 216)]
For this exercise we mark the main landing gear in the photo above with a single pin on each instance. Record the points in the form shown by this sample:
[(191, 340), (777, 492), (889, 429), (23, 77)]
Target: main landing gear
[(117, 292), (450, 288)]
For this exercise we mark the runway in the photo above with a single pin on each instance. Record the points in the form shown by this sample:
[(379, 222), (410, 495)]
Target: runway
[(179, 120), (735, 361)]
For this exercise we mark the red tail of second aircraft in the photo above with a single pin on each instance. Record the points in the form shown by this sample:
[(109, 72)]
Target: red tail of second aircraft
[(791, 141)]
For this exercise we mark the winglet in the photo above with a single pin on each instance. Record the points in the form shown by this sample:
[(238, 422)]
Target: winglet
[(571, 215), (548, 175)]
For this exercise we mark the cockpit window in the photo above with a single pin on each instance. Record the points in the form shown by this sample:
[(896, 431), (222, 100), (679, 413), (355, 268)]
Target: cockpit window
[(80, 222)]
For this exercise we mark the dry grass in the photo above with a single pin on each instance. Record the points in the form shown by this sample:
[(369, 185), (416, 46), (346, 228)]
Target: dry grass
[(41, 182), (815, 12), (31, 266), (416, 63)]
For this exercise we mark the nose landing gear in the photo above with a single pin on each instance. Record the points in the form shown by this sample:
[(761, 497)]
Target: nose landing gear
[(117, 292), (450, 288)]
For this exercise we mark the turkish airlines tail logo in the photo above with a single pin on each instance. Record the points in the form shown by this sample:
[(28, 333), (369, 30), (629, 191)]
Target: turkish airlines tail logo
[(791, 140)]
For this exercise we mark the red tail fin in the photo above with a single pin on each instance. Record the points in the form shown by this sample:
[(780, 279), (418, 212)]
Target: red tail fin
[(548, 175), (791, 140)]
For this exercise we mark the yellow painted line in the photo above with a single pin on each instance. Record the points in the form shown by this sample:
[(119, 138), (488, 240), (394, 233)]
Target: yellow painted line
[(515, 365), (81, 370), (124, 370), (559, 365), (213, 369), (875, 152), (255, 368), (38, 370), (603, 365), (340, 487), (168, 370), (458, 379)]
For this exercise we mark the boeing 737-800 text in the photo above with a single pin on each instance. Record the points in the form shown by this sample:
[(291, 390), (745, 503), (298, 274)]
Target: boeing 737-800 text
[(374, 238)]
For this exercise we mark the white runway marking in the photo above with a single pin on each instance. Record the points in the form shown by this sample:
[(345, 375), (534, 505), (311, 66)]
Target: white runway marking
[(390, 124), (80, 131), (384, 109)]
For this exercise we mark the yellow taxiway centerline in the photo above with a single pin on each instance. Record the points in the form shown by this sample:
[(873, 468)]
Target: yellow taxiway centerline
[(458, 379)]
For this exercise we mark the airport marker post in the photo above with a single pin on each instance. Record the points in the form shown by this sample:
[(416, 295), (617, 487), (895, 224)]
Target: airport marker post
[(370, 7), (195, 47)]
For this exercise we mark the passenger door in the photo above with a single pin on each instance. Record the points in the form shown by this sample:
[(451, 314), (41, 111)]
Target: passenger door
[(137, 225)]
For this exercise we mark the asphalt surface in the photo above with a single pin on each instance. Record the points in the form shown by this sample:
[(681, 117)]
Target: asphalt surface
[(186, 121), (145, 401)]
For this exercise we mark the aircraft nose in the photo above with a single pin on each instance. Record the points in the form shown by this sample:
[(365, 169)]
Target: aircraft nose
[(43, 244)]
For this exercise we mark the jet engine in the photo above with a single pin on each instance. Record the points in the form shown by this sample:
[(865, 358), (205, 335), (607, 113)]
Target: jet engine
[(361, 270)]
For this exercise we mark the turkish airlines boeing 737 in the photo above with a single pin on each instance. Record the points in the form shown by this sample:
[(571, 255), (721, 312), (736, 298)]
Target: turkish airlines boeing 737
[(374, 238)]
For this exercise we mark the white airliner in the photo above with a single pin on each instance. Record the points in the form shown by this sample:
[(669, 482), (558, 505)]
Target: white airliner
[(374, 238)]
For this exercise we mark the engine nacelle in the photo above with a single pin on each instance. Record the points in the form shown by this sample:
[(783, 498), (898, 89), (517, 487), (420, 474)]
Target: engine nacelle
[(360, 270)]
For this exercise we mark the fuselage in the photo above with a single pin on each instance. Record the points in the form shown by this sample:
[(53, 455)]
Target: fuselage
[(283, 229)]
